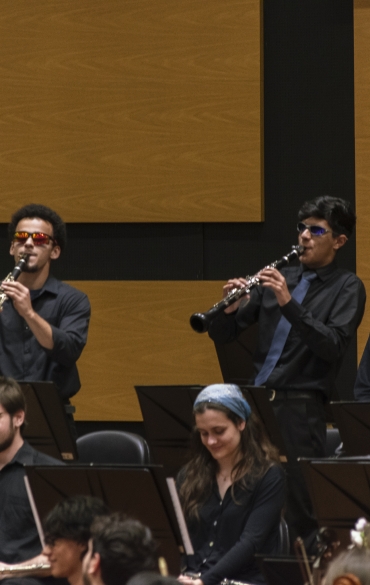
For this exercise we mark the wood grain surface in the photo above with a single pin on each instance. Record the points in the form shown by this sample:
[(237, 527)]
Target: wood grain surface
[(364, 330), (140, 334), (132, 111), (362, 147)]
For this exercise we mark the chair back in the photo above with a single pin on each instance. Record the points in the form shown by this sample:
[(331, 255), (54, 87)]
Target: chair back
[(113, 447), (284, 541), (333, 441)]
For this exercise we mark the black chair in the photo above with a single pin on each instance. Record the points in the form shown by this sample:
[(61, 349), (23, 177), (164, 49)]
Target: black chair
[(284, 541), (333, 441), (113, 447)]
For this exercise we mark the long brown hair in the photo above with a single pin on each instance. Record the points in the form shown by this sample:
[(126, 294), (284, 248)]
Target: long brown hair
[(197, 477)]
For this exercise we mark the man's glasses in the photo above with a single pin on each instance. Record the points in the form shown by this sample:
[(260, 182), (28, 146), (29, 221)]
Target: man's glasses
[(315, 230), (38, 238)]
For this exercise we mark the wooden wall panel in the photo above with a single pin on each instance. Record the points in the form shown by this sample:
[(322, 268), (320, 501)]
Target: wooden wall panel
[(140, 334), (362, 145), (364, 330), (131, 111)]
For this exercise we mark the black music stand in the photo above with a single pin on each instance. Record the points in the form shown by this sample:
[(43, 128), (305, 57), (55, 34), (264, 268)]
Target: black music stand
[(168, 420), (47, 429), (340, 492), (139, 491), (236, 358), (353, 422)]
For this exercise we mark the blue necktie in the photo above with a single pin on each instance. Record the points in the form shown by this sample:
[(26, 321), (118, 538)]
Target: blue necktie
[(282, 331)]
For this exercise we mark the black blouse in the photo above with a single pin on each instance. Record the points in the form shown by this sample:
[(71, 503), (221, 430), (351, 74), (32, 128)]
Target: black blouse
[(229, 533)]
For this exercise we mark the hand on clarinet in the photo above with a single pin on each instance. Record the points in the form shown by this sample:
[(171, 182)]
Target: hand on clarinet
[(20, 295), (273, 279), (229, 286)]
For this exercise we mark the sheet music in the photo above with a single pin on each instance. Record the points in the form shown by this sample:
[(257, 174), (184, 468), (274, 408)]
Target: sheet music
[(34, 511), (180, 516)]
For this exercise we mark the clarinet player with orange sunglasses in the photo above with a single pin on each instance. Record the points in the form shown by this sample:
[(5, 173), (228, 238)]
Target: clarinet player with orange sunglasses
[(43, 322)]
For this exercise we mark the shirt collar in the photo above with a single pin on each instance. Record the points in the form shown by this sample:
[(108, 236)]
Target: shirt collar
[(51, 285), (324, 272), (23, 456)]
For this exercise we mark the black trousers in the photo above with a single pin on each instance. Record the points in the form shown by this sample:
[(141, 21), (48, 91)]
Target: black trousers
[(302, 421)]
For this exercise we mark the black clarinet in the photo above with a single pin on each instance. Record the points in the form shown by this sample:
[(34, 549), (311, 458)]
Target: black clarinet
[(200, 321), (12, 276)]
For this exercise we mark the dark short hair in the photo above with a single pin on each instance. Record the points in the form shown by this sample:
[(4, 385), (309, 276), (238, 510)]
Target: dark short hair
[(125, 547), (72, 519), (11, 396), (336, 211), (42, 212)]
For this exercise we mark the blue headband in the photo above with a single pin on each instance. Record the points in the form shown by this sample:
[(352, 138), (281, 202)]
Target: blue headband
[(228, 395)]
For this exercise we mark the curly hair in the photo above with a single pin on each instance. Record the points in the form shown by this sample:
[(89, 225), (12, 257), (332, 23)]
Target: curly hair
[(72, 519), (41, 212), (125, 547)]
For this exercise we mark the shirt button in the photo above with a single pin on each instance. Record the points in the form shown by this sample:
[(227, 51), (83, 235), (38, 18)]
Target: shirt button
[(211, 544), (215, 523)]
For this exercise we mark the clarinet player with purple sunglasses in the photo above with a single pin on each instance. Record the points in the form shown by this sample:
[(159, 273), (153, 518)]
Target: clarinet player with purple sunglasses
[(307, 316)]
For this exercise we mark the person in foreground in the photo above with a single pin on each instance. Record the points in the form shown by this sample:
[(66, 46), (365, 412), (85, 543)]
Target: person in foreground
[(231, 491), (119, 548), (44, 322), (19, 539), (349, 568), (67, 530), (307, 316)]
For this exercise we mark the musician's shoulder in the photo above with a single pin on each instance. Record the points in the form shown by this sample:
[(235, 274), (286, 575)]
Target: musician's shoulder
[(70, 292), (28, 455)]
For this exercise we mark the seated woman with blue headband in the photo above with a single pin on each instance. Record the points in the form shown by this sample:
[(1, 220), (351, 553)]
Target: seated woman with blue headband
[(231, 491)]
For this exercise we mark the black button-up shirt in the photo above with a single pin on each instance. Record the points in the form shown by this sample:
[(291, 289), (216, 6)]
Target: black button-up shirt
[(322, 327), (228, 534), (67, 310), (19, 539)]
